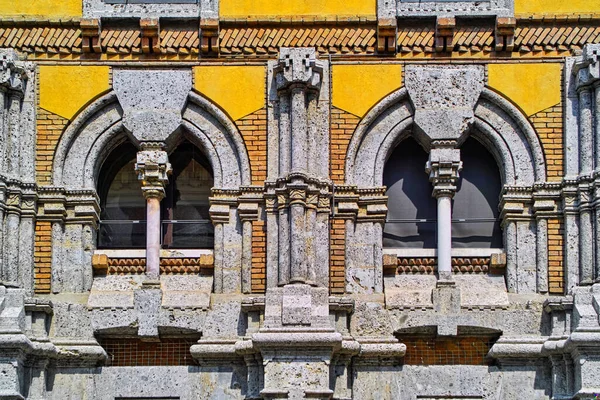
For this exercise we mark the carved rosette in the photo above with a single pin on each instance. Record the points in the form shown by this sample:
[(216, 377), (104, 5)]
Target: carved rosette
[(153, 170)]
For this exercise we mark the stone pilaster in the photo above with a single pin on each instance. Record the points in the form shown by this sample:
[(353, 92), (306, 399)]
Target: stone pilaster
[(153, 168)]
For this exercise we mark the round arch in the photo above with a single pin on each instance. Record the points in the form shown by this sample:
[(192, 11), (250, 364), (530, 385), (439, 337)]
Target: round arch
[(498, 125)]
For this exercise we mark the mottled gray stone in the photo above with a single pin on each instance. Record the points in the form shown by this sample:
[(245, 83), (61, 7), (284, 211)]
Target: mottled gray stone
[(152, 111), (150, 8), (444, 98)]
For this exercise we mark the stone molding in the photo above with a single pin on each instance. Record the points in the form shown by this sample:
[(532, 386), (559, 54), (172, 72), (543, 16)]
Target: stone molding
[(153, 169)]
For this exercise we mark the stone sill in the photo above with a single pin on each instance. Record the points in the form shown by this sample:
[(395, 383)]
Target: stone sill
[(429, 253)]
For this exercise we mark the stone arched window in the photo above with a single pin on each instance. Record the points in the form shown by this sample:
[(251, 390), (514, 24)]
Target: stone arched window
[(411, 217), (475, 213), (503, 146), (411, 214), (184, 210)]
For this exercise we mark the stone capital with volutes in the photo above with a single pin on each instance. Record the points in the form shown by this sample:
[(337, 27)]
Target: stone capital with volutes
[(153, 169), (298, 67), (443, 167)]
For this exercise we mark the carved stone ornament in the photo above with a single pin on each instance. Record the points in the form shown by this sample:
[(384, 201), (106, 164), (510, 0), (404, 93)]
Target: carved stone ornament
[(153, 170), (298, 67), (12, 75)]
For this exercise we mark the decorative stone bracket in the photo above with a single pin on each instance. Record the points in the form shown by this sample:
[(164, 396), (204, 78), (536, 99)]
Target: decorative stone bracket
[(209, 36), (150, 28), (91, 29), (443, 167), (386, 35), (444, 34), (71, 206), (505, 33)]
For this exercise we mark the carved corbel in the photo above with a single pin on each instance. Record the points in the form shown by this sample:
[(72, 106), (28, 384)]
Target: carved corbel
[(386, 35), (52, 204), (545, 200), (83, 206), (221, 203), (372, 204), (298, 68), (150, 28), (91, 30), (209, 36), (516, 204), (345, 202), (505, 33), (443, 168), (444, 34)]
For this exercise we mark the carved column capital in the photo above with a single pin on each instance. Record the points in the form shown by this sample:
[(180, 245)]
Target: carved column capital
[(298, 67), (153, 170), (587, 69), (12, 75), (443, 168)]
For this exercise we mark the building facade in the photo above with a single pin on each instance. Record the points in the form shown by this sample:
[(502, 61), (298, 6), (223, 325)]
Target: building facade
[(315, 199)]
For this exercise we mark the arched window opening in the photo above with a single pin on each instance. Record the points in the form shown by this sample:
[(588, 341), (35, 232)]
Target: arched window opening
[(475, 209), (122, 204), (411, 220), (412, 211), (184, 210), (185, 218)]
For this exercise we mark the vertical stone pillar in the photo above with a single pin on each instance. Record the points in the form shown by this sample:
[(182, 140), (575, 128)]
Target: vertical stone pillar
[(297, 82), (443, 167), (587, 75), (153, 168)]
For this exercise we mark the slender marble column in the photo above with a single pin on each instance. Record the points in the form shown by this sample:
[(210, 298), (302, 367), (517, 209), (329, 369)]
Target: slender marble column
[(443, 167), (444, 236), (153, 168), (153, 235)]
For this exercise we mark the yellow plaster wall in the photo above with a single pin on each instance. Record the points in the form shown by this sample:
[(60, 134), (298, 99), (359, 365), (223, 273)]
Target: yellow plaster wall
[(533, 87), (357, 88), (64, 90), (244, 8), (41, 8), (556, 6), (239, 90)]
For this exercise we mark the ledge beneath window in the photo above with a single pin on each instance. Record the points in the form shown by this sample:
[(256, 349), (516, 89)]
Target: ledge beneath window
[(172, 262)]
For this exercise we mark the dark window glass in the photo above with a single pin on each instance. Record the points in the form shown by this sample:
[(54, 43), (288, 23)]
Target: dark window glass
[(123, 207), (475, 221), (184, 210), (186, 222), (412, 210)]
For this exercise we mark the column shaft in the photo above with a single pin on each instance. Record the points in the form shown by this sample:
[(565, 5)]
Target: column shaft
[(13, 142), (299, 129), (285, 134), (298, 265), (586, 158), (11, 264), (444, 237), (585, 246), (153, 236)]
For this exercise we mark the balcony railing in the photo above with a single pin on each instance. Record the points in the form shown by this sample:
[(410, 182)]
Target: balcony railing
[(174, 234)]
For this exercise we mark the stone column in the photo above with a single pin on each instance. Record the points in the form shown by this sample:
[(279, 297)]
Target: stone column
[(587, 75), (153, 168), (297, 81), (443, 167)]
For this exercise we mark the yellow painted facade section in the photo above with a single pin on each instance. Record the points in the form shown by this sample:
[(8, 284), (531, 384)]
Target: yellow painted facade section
[(64, 90), (532, 87), (239, 90), (244, 8), (556, 6), (41, 8), (357, 88)]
